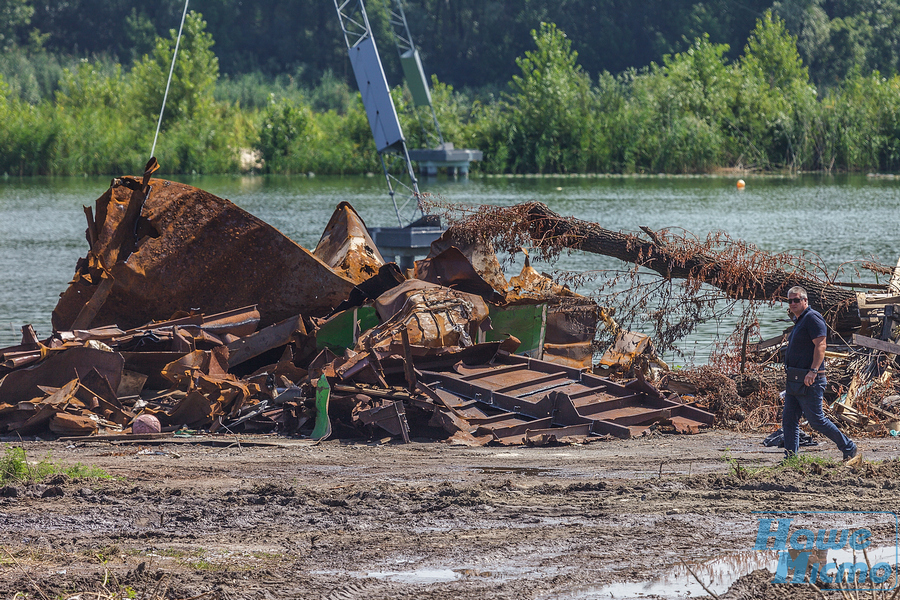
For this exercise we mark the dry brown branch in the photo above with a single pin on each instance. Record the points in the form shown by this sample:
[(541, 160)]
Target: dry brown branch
[(738, 269)]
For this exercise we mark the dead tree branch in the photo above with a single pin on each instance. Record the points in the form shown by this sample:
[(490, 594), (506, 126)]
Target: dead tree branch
[(738, 269)]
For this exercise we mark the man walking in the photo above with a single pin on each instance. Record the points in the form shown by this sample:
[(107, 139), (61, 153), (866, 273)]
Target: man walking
[(806, 351)]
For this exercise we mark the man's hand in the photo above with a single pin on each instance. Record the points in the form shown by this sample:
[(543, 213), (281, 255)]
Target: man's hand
[(809, 378)]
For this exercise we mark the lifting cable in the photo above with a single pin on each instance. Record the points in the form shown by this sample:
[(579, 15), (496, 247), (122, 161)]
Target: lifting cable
[(169, 81)]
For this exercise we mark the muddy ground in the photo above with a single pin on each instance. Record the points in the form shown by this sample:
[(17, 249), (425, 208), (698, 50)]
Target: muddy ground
[(343, 520)]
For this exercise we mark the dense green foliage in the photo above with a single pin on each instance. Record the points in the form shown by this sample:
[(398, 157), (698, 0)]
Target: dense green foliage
[(467, 43), (701, 108)]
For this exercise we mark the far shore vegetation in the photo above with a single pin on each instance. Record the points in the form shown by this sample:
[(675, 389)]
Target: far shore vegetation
[(698, 111)]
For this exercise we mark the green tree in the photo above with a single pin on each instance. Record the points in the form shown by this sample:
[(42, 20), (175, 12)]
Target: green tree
[(691, 94), (775, 108), (14, 15), (771, 54), (550, 106), (283, 134), (191, 94)]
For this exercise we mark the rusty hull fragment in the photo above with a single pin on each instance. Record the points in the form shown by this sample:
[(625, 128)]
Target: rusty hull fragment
[(452, 269), (347, 247), (185, 249), (433, 316), (514, 395), (480, 254), (59, 369)]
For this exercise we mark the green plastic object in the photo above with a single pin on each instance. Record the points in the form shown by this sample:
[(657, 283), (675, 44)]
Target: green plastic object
[(323, 425)]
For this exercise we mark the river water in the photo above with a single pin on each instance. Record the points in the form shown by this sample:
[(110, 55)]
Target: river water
[(837, 218)]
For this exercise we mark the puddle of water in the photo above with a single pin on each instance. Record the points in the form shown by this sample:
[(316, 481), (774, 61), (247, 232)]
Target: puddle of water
[(419, 576), (429, 575), (717, 574), (527, 471)]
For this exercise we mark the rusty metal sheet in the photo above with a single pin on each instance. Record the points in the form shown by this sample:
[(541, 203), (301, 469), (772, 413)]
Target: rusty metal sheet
[(558, 435), (389, 415), (534, 390), (99, 385), (452, 269), (571, 320), (240, 322), (479, 254), (531, 285), (107, 410), (194, 410), (46, 409), (388, 277), (188, 368), (688, 426), (391, 358), (627, 346), (68, 424), (150, 364), (273, 336), (347, 247), (192, 250), (390, 302), (59, 369), (433, 316), (571, 328), (29, 336), (511, 431), (578, 355)]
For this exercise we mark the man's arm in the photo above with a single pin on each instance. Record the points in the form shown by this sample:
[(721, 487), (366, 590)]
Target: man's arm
[(818, 359)]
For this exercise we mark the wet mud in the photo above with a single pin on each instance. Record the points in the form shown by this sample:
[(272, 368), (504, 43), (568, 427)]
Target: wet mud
[(341, 520)]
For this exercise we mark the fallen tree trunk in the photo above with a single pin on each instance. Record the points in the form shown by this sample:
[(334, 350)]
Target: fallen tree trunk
[(740, 271)]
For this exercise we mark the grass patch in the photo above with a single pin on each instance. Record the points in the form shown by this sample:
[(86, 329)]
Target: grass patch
[(798, 463), (203, 565), (15, 468), (181, 553), (806, 462)]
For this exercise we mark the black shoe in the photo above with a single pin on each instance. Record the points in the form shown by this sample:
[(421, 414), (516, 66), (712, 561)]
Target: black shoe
[(850, 454)]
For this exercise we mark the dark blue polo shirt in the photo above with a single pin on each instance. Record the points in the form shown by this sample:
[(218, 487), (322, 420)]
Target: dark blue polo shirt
[(800, 348)]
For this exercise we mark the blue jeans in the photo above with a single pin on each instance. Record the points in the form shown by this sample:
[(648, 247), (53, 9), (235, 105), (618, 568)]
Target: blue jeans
[(810, 406)]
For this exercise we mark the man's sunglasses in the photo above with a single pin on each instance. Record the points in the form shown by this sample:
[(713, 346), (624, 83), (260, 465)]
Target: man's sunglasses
[(794, 300)]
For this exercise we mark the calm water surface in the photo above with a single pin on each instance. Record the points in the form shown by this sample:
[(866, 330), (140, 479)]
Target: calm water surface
[(839, 219)]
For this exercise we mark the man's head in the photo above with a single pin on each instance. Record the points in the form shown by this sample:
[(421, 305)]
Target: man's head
[(797, 301)]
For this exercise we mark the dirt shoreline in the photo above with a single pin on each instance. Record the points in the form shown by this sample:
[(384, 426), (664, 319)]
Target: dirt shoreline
[(340, 520)]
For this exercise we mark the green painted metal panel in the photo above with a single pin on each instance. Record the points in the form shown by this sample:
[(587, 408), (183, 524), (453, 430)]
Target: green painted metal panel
[(527, 323), (342, 330)]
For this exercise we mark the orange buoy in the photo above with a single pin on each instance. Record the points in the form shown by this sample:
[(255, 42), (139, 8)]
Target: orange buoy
[(740, 184)]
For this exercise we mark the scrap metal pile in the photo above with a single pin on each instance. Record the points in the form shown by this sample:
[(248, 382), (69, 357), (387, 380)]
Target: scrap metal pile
[(193, 312)]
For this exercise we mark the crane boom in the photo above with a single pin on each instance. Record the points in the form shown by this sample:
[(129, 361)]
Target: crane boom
[(376, 96)]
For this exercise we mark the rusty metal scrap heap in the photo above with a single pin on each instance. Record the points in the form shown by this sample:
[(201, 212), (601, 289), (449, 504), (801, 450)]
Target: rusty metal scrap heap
[(189, 310)]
